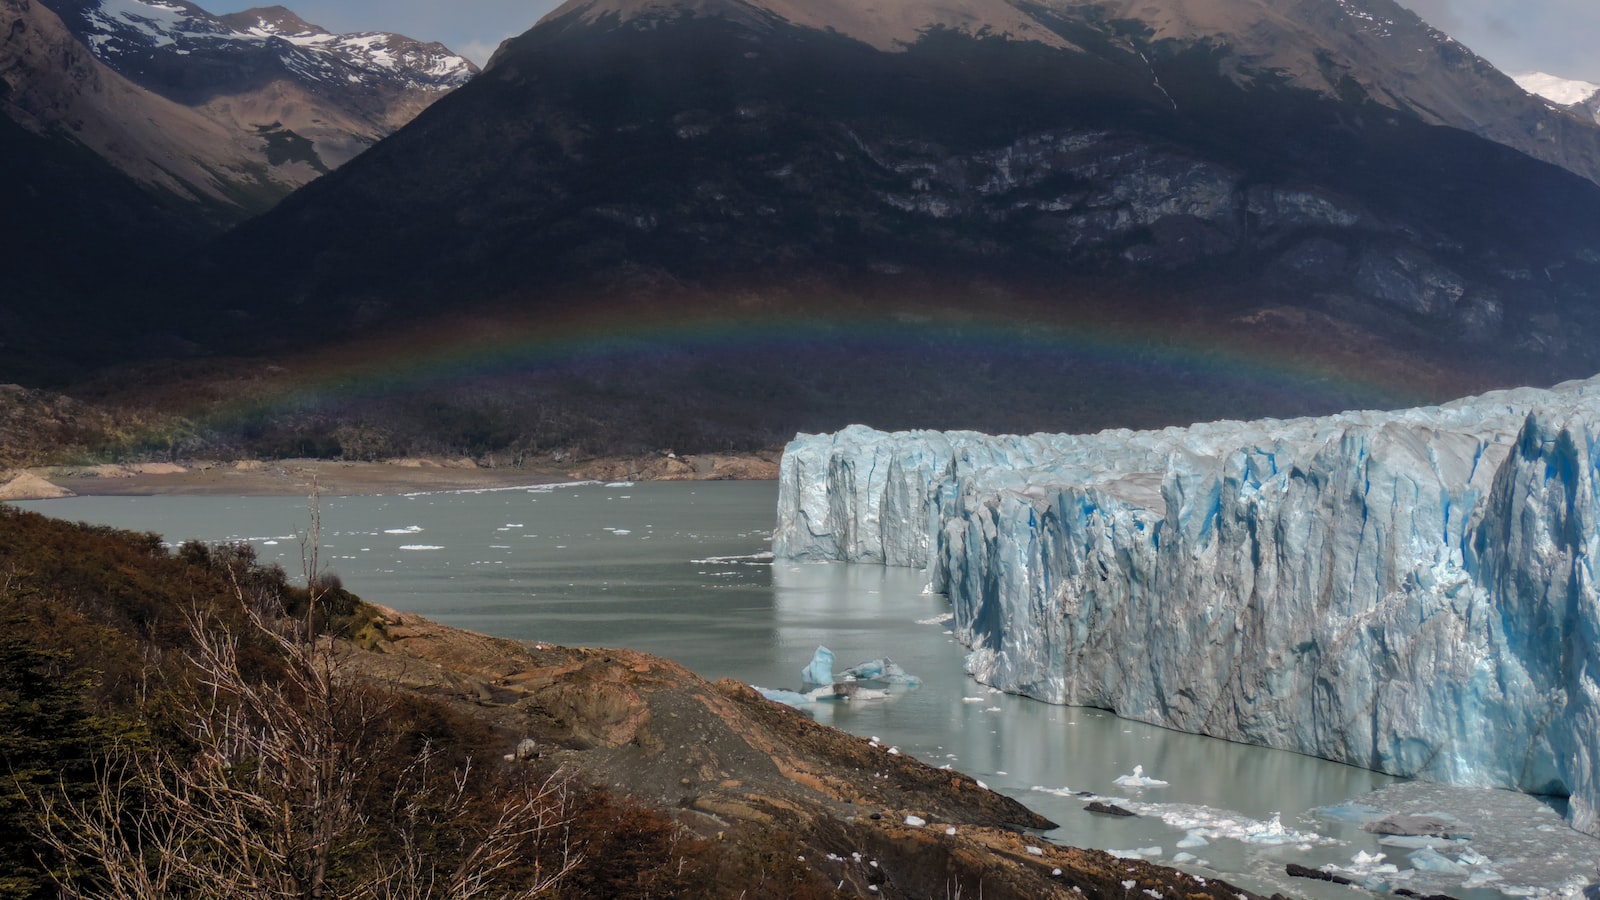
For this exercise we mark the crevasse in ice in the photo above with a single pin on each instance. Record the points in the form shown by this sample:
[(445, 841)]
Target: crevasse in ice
[(1407, 591)]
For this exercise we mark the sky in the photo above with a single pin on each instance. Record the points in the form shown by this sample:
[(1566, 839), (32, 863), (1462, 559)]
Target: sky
[(1561, 37)]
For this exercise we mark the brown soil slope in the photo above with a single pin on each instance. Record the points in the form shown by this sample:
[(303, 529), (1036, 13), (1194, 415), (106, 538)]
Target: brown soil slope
[(830, 809)]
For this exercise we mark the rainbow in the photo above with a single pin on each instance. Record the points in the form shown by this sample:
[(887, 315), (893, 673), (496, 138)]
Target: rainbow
[(472, 351)]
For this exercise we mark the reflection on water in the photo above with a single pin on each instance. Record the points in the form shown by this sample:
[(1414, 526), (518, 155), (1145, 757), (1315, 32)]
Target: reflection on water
[(682, 571)]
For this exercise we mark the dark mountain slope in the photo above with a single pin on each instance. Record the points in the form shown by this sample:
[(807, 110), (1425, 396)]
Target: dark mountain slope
[(79, 228), (607, 157), (941, 227)]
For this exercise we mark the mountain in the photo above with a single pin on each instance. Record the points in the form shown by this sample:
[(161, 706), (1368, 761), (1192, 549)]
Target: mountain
[(232, 111), (1407, 592), (709, 224), (1378, 50), (56, 89), (1558, 90), (132, 132), (1580, 98), (634, 145)]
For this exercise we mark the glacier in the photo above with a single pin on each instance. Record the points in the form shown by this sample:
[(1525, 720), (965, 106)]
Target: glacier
[(1410, 592)]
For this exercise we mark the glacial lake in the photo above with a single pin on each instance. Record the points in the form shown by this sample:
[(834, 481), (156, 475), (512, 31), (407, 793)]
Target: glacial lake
[(684, 571)]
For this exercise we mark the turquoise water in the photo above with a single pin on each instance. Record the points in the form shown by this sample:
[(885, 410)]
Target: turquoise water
[(683, 570)]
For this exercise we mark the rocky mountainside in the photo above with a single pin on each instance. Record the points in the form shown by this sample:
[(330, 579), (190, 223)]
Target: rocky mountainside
[(1377, 50), (974, 214), (131, 132), (55, 88), (314, 97), (1273, 176), (1580, 98), (232, 111)]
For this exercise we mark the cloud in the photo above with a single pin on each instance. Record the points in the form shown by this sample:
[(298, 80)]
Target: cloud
[(1500, 28), (1554, 36)]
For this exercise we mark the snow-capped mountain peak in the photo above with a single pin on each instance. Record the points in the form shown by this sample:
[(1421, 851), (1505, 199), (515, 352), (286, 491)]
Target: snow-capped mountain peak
[(124, 32), (1558, 90)]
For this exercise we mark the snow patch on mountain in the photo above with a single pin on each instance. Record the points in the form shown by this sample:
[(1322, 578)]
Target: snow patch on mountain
[(1558, 90), (115, 28), (1412, 592)]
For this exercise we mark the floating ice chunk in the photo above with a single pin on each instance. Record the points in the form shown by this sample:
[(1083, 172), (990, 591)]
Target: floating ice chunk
[(619, 484), (420, 547), (409, 529), (747, 559), (937, 620), (1367, 870), (787, 698), (846, 690), (1182, 858), (881, 669), (1364, 863), (1430, 860), (1138, 780), (1203, 824), (1416, 842), (1357, 813), (1272, 833), (820, 669)]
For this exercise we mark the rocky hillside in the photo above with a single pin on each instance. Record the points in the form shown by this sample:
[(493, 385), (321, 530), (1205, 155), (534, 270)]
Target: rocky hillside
[(232, 112), (1178, 172), (55, 88), (707, 225), (132, 131)]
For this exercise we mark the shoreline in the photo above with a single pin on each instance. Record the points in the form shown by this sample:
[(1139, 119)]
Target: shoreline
[(300, 477)]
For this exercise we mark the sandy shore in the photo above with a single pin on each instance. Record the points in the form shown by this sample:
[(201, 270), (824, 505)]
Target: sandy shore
[(299, 477)]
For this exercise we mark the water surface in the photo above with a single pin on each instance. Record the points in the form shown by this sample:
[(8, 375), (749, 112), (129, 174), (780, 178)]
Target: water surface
[(684, 571)]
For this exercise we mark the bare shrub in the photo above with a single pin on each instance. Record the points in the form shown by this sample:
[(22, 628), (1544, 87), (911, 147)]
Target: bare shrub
[(269, 793)]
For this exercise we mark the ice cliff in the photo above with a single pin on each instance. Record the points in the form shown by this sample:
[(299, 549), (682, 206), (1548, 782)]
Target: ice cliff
[(1406, 591)]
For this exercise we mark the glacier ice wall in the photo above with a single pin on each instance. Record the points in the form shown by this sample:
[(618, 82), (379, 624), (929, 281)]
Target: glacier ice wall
[(1411, 591)]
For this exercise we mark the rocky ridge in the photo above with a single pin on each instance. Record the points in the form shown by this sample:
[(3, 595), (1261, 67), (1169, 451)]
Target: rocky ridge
[(235, 110), (732, 765), (1194, 152)]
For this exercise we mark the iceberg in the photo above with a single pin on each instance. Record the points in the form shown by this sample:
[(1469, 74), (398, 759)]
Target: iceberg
[(786, 697), (820, 669), (1412, 592), (881, 669), (1137, 780)]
